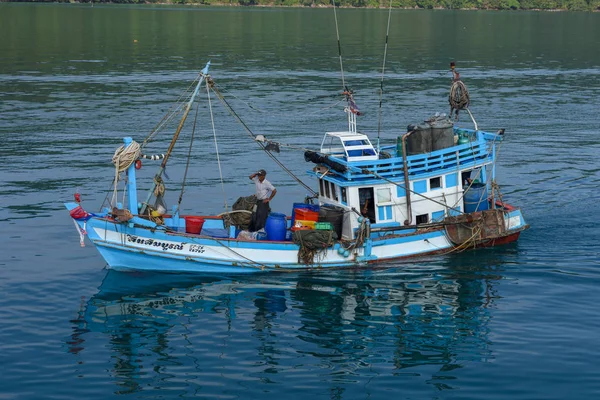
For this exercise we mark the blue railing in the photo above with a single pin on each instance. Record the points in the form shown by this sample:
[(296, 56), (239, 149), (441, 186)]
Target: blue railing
[(475, 153)]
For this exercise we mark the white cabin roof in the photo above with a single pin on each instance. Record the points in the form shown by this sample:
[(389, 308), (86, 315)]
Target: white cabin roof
[(349, 145)]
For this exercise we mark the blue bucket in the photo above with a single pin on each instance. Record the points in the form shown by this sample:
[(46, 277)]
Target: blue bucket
[(476, 198), (275, 227)]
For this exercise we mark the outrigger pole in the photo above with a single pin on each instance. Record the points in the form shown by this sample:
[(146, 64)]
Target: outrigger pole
[(163, 165)]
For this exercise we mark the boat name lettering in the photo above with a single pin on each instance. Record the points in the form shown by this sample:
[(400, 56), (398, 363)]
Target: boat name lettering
[(194, 248), (155, 243)]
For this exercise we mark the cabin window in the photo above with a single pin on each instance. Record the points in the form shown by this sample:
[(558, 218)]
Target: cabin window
[(435, 183), (384, 195), (384, 213), (384, 204), (334, 194), (344, 195), (422, 219)]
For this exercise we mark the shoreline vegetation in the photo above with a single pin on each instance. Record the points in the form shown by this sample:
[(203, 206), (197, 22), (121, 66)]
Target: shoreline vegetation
[(531, 5)]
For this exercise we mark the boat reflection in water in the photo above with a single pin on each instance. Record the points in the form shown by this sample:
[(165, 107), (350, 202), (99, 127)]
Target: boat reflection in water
[(322, 329)]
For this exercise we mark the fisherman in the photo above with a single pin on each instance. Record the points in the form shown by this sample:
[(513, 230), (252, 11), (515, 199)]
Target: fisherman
[(264, 193)]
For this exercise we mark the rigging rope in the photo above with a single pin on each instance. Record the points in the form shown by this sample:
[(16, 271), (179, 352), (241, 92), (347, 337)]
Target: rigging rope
[(175, 110), (387, 34), (339, 45), (212, 121), (253, 136), (187, 164), (287, 114)]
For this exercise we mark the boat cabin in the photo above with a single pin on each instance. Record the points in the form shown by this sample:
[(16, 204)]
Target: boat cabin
[(374, 187)]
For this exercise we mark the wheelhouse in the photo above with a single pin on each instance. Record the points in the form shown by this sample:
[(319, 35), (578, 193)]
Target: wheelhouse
[(373, 184)]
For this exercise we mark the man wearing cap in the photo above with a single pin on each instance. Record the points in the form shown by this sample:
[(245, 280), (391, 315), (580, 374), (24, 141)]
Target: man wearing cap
[(264, 193)]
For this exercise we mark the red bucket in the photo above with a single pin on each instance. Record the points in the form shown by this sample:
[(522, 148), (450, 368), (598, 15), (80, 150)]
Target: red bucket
[(193, 225)]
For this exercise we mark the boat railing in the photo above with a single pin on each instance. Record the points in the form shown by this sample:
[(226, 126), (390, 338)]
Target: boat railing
[(464, 155)]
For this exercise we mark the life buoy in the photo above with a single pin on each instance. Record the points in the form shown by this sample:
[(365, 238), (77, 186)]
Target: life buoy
[(138, 164)]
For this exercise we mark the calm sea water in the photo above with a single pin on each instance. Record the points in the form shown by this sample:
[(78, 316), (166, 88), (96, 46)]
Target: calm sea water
[(519, 322)]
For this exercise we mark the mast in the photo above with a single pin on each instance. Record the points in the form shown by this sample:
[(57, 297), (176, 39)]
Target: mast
[(406, 180), (163, 165), (352, 110)]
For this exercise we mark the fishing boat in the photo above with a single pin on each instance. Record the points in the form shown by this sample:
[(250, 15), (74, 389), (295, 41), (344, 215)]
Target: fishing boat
[(431, 191)]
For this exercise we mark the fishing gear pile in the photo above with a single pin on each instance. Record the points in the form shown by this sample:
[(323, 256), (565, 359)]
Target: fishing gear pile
[(312, 243), (241, 213)]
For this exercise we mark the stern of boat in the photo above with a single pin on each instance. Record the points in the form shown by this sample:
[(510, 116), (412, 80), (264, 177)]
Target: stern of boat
[(500, 225)]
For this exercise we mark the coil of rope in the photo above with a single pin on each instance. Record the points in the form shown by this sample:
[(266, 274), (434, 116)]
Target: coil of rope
[(459, 95), (125, 156), (122, 159)]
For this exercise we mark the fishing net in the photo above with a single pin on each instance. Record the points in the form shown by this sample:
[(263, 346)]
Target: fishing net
[(312, 243), (241, 213)]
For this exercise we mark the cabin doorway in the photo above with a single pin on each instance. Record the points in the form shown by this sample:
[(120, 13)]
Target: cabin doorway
[(367, 203)]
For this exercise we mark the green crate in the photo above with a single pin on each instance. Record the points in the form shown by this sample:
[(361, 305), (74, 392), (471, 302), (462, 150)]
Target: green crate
[(324, 226)]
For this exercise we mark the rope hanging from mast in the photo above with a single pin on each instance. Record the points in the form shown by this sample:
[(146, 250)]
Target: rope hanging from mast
[(459, 95), (212, 121)]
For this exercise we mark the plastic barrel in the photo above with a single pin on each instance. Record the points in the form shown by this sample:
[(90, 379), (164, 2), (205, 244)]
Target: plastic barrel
[(419, 141), (442, 134), (333, 214), (476, 198), (193, 225), (275, 227)]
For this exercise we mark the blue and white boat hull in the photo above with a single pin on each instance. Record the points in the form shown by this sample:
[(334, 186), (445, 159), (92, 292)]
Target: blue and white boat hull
[(130, 247)]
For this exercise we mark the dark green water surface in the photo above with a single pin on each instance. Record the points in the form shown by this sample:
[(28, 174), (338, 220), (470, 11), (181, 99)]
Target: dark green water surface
[(516, 322)]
